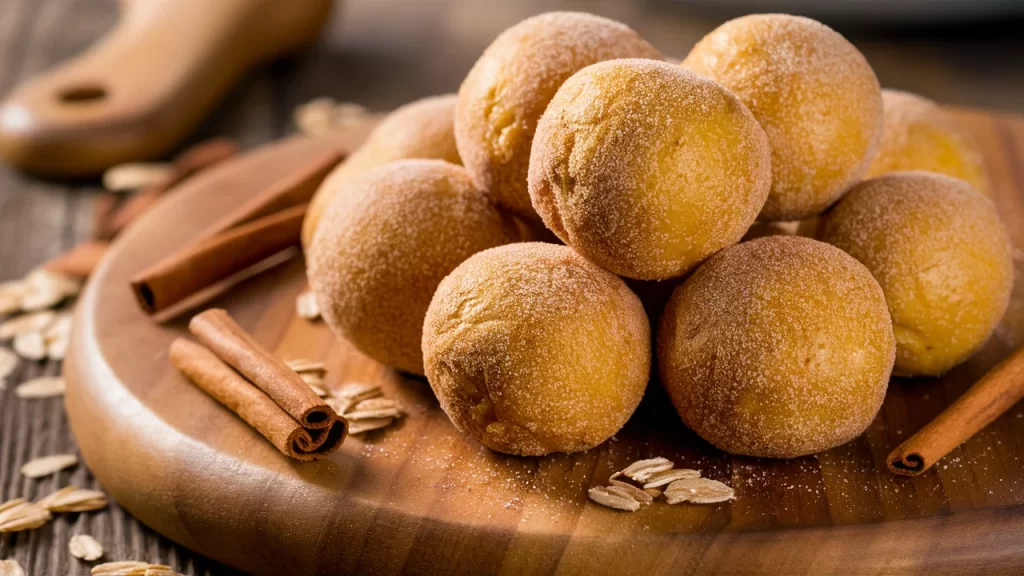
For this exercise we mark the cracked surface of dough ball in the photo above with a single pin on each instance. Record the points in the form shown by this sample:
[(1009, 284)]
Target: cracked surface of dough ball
[(941, 255), (385, 245), (532, 349), (815, 95), (509, 87), (778, 347), (423, 128), (921, 136), (646, 168)]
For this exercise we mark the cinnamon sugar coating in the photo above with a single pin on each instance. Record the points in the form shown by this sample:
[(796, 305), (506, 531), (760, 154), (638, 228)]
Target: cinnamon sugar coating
[(423, 128), (386, 243), (508, 88), (532, 349), (921, 136), (815, 95), (777, 347), (646, 168), (941, 255)]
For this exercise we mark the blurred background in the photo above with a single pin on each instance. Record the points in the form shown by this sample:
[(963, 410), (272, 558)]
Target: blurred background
[(962, 52)]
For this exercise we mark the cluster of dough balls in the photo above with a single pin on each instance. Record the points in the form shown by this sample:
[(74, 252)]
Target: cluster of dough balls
[(653, 173)]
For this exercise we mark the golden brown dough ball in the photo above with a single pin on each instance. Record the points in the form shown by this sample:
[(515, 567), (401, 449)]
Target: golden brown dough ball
[(511, 84), (812, 91), (386, 243), (921, 136), (531, 349), (777, 347), (941, 255), (646, 168), (420, 129)]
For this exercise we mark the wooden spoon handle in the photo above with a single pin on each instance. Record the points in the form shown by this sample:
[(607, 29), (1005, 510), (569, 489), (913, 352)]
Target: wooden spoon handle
[(142, 88)]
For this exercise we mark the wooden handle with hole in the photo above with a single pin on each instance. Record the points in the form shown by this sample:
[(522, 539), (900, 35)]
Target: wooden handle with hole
[(145, 86)]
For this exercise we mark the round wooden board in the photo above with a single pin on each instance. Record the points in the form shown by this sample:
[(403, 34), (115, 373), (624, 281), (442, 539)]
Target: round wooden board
[(420, 498)]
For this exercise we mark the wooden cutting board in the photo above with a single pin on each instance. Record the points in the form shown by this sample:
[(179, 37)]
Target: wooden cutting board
[(421, 498)]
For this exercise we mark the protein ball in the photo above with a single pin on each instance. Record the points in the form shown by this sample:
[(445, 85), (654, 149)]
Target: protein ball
[(532, 349), (646, 168), (941, 255), (921, 136), (815, 95), (778, 347)]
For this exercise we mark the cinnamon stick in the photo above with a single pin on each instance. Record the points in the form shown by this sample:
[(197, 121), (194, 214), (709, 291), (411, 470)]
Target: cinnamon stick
[(226, 386), (225, 338), (297, 188), (240, 239), (79, 260), (192, 160), (215, 258), (985, 401)]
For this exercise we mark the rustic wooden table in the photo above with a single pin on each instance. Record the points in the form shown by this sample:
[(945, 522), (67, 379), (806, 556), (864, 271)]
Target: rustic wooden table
[(380, 53)]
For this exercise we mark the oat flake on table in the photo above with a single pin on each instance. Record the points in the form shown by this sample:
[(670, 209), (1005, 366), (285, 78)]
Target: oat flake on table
[(11, 568), (39, 467), (74, 499), (85, 547), (44, 387)]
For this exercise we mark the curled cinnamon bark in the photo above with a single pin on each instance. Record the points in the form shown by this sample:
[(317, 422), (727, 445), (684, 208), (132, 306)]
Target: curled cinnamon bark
[(256, 408), (987, 400), (225, 338)]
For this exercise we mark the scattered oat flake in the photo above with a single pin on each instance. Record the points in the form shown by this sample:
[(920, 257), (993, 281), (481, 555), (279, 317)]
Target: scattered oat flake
[(124, 568), (669, 476), (85, 547), (642, 470), (8, 363), (30, 346), (339, 405), (11, 294), (47, 465), (34, 322), (160, 570), (44, 387), (602, 496), (621, 488), (45, 289), (698, 491), (11, 568), (74, 499), (306, 306), (358, 414), (368, 424), (302, 365), (359, 391), (22, 516), (136, 175)]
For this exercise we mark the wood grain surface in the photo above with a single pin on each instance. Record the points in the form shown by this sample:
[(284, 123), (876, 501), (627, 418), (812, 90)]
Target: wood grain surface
[(420, 497), (383, 53)]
